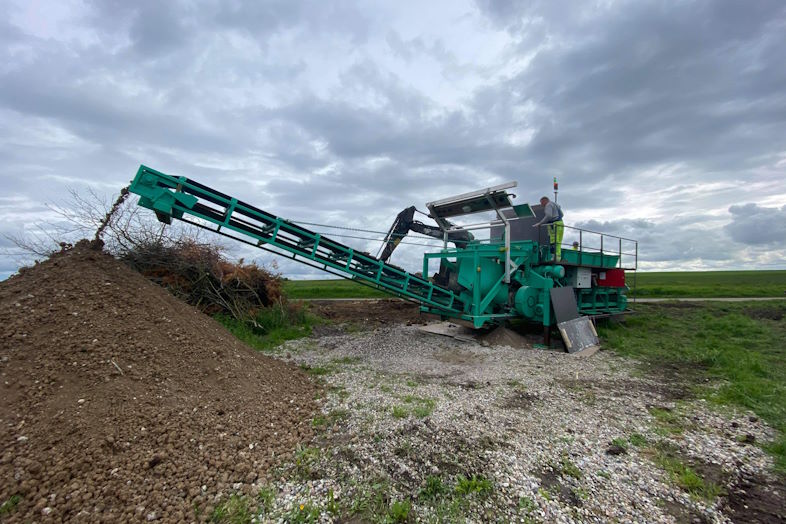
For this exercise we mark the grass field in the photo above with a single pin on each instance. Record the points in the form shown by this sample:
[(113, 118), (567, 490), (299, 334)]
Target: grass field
[(330, 289), (709, 284), (272, 326), (738, 345)]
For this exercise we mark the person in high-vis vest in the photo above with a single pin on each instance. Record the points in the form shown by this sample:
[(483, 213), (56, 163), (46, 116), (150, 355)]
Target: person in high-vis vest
[(552, 215)]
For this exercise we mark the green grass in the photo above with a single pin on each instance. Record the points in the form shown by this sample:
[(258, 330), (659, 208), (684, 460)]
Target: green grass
[(473, 485), (10, 505), (637, 440), (526, 504), (701, 284), (710, 284), (234, 510), (418, 406), (399, 511), (321, 422), (369, 502), (567, 467), (303, 513), (684, 476), (738, 346), (400, 412), (306, 462), (299, 289), (272, 326), (267, 496), (434, 488), (620, 442), (317, 371), (667, 421), (346, 360)]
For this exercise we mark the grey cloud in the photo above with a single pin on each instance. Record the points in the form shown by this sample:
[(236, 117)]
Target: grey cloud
[(624, 102), (51, 89), (755, 225), (646, 84), (260, 19), (675, 241)]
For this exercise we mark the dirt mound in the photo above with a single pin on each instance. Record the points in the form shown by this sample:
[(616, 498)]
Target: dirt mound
[(503, 336), (120, 402)]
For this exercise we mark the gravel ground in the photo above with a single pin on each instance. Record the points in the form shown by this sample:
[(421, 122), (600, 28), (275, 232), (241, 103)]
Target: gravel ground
[(418, 427)]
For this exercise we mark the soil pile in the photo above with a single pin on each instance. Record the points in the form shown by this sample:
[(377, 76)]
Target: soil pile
[(120, 402)]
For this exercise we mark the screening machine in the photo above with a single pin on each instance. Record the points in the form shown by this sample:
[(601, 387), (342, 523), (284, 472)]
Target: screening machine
[(513, 273)]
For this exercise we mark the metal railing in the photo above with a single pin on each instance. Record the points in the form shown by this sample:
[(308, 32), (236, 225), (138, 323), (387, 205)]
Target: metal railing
[(591, 247)]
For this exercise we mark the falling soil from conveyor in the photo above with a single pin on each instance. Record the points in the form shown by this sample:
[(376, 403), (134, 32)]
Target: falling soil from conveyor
[(119, 402)]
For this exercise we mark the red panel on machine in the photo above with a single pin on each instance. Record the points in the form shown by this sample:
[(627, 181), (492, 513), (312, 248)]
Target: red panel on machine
[(612, 278)]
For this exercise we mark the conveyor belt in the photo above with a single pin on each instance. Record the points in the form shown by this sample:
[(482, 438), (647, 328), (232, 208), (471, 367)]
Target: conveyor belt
[(189, 201)]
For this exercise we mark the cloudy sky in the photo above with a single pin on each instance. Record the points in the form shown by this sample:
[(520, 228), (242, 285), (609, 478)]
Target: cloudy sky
[(664, 122)]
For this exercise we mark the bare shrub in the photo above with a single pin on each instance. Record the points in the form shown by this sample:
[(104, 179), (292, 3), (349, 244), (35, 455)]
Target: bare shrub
[(200, 274), (173, 256)]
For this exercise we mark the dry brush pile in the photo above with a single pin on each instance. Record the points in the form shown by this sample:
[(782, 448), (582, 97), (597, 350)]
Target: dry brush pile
[(173, 256), (201, 275)]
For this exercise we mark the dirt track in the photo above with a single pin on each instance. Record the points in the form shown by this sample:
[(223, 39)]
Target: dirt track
[(120, 402)]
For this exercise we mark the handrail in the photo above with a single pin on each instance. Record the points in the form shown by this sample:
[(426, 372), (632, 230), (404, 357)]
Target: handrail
[(582, 248)]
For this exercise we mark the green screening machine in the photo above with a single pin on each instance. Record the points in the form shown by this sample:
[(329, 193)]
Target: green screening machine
[(511, 271)]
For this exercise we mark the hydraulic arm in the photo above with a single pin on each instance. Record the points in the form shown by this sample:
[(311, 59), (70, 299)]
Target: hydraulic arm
[(405, 223)]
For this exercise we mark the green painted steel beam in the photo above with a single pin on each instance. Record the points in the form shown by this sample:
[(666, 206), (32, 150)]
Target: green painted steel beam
[(184, 199)]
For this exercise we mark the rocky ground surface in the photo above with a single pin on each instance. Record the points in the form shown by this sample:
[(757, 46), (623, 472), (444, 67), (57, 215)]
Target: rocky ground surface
[(418, 427), (121, 403)]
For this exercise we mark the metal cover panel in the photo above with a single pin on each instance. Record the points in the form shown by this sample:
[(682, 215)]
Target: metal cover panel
[(579, 335), (520, 228), (581, 277), (471, 205), (563, 302), (523, 211)]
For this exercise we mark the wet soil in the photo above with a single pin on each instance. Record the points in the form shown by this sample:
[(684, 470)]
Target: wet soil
[(669, 391), (550, 481), (759, 500), (119, 402), (366, 314), (766, 313)]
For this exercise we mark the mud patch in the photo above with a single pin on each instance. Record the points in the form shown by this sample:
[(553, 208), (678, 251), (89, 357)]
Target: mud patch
[(369, 314), (754, 499), (519, 400), (551, 484), (420, 449), (765, 313), (669, 391), (683, 513)]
